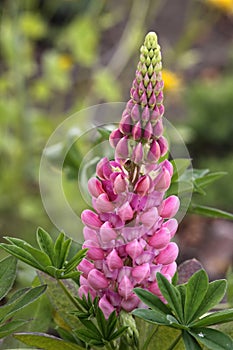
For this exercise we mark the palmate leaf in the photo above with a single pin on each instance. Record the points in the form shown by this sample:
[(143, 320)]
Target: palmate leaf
[(46, 342), (7, 274), (51, 258), (212, 338), (196, 289)]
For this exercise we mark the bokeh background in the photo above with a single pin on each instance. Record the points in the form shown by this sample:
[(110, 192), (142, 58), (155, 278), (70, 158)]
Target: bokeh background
[(58, 57)]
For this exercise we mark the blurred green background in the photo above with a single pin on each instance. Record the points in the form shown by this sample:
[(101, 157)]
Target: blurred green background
[(58, 57)]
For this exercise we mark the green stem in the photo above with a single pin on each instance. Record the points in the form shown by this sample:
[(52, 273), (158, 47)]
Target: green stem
[(70, 296), (147, 342), (176, 341)]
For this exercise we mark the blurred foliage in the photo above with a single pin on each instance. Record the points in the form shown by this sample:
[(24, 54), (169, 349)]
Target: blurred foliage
[(210, 119)]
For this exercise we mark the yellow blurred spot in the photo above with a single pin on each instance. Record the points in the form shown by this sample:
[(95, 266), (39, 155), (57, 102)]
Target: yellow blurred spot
[(65, 62), (223, 5), (171, 80)]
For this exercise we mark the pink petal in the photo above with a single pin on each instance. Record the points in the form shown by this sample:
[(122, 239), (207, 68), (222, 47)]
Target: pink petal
[(114, 261), (125, 287), (97, 279), (106, 307)]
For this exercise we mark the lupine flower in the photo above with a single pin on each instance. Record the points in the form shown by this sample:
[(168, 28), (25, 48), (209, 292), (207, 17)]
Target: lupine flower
[(129, 231)]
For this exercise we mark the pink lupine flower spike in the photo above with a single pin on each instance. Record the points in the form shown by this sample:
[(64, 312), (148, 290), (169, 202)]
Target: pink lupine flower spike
[(129, 231)]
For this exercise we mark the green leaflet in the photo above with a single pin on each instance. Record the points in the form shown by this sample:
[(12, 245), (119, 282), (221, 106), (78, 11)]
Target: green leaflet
[(20, 300), (190, 342), (196, 289), (7, 274), (212, 338), (171, 294), (215, 318), (10, 327), (214, 295)]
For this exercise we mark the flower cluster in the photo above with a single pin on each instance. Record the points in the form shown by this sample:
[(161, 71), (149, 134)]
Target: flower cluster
[(129, 232)]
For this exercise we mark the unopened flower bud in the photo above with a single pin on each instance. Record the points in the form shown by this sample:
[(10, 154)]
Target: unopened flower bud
[(162, 141), (115, 137), (154, 152), (135, 113), (148, 131), (158, 129), (172, 226), (90, 219), (160, 239), (125, 125), (137, 154), (168, 254), (137, 131), (122, 150), (95, 187), (163, 180), (169, 207), (145, 114), (143, 185)]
